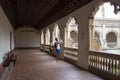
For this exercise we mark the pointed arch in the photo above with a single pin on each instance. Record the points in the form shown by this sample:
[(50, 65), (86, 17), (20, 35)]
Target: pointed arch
[(99, 20), (111, 39), (42, 37), (56, 32), (71, 33), (47, 37)]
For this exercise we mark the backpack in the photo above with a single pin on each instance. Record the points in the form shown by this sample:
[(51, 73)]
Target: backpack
[(55, 45)]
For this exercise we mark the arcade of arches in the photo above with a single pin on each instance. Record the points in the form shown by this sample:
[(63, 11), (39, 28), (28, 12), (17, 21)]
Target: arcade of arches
[(90, 35)]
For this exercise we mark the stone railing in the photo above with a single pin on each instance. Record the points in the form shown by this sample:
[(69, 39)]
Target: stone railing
[(42, 47), (105, 65), (71, 55), (47, 48)]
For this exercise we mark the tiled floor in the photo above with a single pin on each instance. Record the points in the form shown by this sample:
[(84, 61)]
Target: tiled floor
[(36, 65)]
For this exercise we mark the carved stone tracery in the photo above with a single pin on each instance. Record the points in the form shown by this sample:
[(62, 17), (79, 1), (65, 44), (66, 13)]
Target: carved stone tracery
[(116, 7)]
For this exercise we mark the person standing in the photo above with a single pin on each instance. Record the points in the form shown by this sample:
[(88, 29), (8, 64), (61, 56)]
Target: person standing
[(57, 48)]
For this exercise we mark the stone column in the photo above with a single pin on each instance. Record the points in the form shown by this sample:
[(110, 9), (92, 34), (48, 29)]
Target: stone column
[(51, 33), (62, 25), (118, 38), (40, 38), (44, 34), (83, 43), (104, 42)]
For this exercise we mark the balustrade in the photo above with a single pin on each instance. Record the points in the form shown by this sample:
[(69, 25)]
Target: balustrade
[(105, 65), (71, 55)]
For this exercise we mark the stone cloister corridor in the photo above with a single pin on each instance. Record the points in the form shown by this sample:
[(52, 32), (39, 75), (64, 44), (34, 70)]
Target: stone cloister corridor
[(87, 33), (37, 65)]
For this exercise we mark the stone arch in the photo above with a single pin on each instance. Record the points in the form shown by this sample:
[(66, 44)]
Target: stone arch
[(27, 37), (116, 37), (111, 38), (27, 29), (56, 32), (91, 27), (113, 31), (42, 37), (96, 8), (91, 21), (47, 37), (70, 30)]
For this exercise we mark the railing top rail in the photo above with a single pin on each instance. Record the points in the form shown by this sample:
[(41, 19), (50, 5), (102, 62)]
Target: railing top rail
[(71, 49), (104, 54)]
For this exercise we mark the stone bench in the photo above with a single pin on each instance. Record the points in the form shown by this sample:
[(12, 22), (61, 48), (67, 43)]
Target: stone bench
[(11, 57)]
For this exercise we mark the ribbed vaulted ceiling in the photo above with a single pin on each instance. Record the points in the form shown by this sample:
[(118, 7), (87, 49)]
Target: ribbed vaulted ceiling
[(38, 13)]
